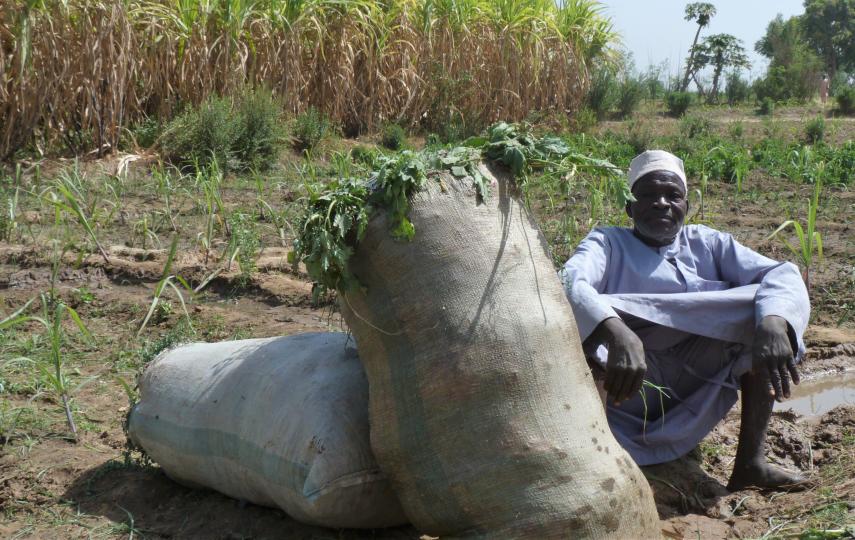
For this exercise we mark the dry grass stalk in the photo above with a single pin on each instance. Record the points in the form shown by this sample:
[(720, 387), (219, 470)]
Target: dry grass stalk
[(79, 71)]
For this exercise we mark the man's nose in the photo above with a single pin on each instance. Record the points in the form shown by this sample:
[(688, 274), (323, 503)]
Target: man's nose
[(660, 202)]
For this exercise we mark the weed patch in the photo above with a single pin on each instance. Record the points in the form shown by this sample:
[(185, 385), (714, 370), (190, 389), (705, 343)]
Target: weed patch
[(309, 130)]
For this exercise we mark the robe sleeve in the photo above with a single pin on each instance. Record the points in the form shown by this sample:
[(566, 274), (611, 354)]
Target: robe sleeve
[(781, 289), (584, 277)]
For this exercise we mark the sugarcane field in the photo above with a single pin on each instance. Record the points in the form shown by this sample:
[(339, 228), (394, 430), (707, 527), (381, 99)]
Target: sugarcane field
[(344, 269)]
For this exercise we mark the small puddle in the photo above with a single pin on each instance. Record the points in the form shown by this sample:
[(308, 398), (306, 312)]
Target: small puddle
[(815, 398)]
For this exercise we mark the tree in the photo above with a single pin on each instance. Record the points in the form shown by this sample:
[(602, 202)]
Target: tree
[(794, 68), (829, 27), (719, 51), (701, 13)]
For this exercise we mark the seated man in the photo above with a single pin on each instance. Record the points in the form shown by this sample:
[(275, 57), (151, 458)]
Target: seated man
[(690, 310)]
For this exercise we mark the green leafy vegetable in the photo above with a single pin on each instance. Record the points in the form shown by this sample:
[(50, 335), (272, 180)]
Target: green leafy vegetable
[(336, 216)]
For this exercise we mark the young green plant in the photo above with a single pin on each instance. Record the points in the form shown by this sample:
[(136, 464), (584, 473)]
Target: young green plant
[(809, 239), (168, 280), (52, 369), (65, 196), (209, 180)]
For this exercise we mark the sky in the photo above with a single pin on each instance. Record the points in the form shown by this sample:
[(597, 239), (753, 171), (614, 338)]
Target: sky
[(655, 30)]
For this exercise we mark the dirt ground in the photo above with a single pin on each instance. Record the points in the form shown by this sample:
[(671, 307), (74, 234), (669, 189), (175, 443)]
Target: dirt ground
[(54, 487)]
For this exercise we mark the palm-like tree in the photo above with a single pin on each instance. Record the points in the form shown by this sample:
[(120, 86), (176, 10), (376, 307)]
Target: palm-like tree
[(718, 51), (701, 13)]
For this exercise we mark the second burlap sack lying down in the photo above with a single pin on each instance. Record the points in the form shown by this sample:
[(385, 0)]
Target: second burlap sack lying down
[(276, 421), (483, 413)]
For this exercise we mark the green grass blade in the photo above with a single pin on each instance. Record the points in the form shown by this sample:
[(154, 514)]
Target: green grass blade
[(183, 305), (818, 241)]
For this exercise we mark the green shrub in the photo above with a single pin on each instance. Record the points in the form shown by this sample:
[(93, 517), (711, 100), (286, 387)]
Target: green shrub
[(584, 120), (459, 128), (846, 100), (737, 89), (258, 133), (639, 135), (433, 140), (797, 81), (364, 155), (653, 86), (630, 92), (695, 125), (772, 154), (602, 94), (736, 129), (615, 149), (447, 114), (393, 137), (841, 164), (815, 130), (766, 106), (145, 133), (310, 128), (678, 103), (729, 163), (239, 135), (200, 135)]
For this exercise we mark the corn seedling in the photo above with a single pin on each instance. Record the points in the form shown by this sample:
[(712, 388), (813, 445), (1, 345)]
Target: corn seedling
[(66, 196), (266, 212), (802, 165), (244, 244), (208, 180), (168, 280), (810, 240), (165, 188), (142, 229), (8, 215), (52, 369)]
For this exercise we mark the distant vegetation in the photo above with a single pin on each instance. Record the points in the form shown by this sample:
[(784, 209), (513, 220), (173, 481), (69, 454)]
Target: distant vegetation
[(805, 47), (801, 50), (360, 62)]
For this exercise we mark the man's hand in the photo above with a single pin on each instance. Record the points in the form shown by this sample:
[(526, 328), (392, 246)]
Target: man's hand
[(774, 355), (626, 366)]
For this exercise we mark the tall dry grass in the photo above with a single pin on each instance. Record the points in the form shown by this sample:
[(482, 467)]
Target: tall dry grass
[(79, 71)]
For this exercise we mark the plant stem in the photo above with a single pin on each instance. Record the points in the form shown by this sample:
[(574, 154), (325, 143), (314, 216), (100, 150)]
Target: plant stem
[(67, 406)]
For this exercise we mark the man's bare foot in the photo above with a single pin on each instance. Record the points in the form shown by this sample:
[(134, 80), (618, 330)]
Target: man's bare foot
[(765, 476)]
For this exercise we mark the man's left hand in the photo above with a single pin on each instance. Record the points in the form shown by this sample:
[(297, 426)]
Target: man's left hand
[(774, 354)]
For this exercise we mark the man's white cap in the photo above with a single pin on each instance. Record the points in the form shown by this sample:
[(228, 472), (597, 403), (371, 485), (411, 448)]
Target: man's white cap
[(656, 160)]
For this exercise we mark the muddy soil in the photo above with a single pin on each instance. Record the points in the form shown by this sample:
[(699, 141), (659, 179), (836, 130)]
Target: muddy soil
[(51, 487), (54, 487)]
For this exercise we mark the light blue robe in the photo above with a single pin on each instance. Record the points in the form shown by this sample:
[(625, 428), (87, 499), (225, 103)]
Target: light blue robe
[(695, 305)]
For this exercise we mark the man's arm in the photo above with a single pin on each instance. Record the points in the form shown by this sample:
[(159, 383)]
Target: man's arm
[(626, 364), (584, 278), (782, 291), (782, 309)]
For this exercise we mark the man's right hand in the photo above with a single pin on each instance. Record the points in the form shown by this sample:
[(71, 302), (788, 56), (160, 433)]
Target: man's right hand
[(626, 365)]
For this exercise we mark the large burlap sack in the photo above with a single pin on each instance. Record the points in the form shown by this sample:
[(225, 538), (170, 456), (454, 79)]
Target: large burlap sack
[(278, 422), (483, 412)]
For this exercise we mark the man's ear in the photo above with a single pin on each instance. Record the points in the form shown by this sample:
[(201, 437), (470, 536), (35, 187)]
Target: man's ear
[(628, 209)]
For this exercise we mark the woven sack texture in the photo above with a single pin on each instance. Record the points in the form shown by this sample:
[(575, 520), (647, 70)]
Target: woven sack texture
[(483, 413), (279, 422)]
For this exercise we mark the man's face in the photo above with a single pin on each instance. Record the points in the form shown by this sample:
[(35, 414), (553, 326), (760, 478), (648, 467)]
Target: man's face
[(659, 209)]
